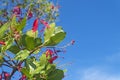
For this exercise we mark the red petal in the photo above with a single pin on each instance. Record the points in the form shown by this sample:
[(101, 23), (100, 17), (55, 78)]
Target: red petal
[(52, 59), (35, 25), (2, 43), (49, 52)]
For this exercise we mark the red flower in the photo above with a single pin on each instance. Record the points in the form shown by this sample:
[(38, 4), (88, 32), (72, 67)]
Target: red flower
[(45, 23), (35, 25), (49, 52), (2, 42), (52, 59), (17, 10)]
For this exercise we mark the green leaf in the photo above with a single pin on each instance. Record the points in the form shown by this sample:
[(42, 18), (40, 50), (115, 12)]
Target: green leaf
[(57, 37), (56, 75), (50, 68), (3, 29), (38, 70), (14, 22), (29, 41), (22, 24), (7, 46), (49, 31), (1, 60), (22, 40), (14, 49), (30, 33), (26, 72), (38, 42), (43, 60), (30, 65), (23, 54)]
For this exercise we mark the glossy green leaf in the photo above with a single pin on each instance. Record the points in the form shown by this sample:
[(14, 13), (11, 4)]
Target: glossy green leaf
[(30, 65), (38, 70), (43, 60), (3, 29), (50, 68), (49, 31), (56, 75), (13, 22), (30, 33), (22, 24), (57, 37), (23, 54), (38, 42), (26, 72), (29, 41), (7, 46), (14, 49)]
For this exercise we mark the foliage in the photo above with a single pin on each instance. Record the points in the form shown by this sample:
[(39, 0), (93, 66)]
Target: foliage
[(20, 43)]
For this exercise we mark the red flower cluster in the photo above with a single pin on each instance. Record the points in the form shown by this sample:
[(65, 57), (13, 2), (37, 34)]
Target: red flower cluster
[(52, 59), (17, 10), (35, 25), (2, 43), (51, 54)]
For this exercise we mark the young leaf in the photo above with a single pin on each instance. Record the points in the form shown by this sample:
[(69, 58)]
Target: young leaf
[(7, 46), (30, 33), (43, 60), (3, 29), (14, 49), (57, 37), (22, 24), (30, 44), (49, 31), (23, 54), (26, 72)]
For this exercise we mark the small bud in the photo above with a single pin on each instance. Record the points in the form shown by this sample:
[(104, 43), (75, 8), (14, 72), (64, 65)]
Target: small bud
[(35, 25), (17, 10)]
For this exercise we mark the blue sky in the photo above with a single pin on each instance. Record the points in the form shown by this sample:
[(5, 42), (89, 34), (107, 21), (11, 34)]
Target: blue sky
[(95, 26)]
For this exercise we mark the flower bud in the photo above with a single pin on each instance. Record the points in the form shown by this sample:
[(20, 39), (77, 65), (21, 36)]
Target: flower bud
[(35, 25)]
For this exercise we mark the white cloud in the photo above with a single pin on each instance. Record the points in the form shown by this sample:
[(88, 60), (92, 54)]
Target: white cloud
[(97, 74)]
